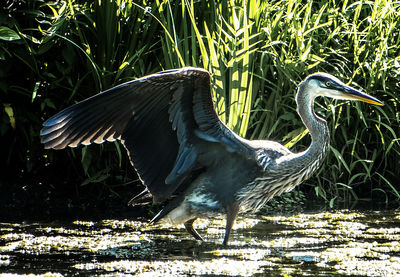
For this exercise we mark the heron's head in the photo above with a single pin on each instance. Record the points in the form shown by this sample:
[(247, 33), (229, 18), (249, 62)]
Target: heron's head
[(323, 84)]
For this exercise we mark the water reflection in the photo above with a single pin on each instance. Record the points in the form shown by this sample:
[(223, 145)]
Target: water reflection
[(323, 244)]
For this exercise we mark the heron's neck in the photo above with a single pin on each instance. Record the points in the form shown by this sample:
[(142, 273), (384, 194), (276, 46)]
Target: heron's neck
[(317, 127)]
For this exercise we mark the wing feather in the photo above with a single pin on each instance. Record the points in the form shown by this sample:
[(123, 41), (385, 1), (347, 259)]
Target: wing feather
[(160, 119)]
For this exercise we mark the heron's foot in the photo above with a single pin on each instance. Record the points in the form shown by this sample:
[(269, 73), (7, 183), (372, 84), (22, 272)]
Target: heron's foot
[(189, 227), (231, 213)]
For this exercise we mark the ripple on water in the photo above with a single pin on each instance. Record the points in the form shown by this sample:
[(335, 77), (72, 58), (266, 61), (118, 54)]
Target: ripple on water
[(323, 244)]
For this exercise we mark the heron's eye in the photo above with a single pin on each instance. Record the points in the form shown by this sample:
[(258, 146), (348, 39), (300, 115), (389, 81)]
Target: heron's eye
[(328, 84)]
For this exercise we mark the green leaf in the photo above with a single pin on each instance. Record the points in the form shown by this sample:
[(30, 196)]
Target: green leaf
[(8, 34), (35, 89), (98, 177), (86, 160), (339, 157)]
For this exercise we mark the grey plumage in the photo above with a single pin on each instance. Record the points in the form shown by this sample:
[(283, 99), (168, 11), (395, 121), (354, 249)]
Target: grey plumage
[(184, 155)]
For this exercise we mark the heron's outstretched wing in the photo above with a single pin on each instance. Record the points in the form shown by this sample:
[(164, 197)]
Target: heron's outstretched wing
[(159, 119)]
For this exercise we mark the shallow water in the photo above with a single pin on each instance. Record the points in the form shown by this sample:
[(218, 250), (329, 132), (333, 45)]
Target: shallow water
[(340, 243)]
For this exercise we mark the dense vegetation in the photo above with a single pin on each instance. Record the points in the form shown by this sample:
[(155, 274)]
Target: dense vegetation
[(55, 53)]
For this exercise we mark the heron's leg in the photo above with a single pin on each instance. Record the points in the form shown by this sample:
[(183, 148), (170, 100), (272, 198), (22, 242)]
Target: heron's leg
[(191, 230), (231, 213)]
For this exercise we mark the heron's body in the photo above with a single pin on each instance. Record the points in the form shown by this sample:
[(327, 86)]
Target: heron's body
[(184, 155)]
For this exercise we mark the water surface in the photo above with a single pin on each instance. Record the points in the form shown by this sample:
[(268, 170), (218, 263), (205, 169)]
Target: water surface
[(341, 243)]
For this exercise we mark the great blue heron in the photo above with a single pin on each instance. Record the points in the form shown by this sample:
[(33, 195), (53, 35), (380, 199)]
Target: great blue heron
[(184, 155)]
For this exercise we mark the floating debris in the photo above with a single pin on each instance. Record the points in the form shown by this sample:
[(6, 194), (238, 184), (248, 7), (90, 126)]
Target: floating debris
[(324, 244)]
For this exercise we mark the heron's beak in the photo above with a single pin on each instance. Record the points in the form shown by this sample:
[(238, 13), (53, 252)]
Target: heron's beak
[(353, 94)]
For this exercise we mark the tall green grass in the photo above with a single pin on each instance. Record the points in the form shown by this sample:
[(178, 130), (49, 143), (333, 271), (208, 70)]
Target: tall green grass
[(257, 53)]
